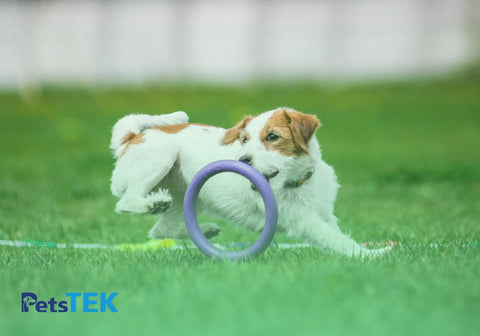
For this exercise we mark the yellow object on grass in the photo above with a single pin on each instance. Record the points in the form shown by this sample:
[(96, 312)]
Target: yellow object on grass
[(149, 245)]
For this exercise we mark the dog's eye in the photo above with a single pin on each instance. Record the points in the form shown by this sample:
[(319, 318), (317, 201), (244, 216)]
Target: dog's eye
[(272, 137), (244, 140)]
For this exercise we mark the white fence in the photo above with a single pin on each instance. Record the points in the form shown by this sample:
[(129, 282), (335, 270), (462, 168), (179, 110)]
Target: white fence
[(115, 41)]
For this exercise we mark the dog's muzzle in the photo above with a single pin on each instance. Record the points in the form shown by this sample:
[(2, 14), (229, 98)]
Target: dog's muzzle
[(267, 177)]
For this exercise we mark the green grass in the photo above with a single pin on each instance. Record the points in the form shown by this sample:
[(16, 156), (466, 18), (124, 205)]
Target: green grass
[(408, 158)]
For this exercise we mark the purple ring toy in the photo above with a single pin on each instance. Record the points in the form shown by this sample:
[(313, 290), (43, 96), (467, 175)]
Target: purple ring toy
[(189, 209)]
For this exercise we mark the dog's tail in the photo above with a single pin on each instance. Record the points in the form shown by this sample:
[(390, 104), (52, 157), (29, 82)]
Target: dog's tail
[(131, 125)]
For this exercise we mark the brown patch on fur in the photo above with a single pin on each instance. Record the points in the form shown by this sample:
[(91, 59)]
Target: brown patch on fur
[(238, 130), (172, 129), (294, 130), (303, 127), (129, 136), (134, 139)]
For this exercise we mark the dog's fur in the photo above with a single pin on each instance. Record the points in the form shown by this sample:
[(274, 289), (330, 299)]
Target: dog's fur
[(158, 156)]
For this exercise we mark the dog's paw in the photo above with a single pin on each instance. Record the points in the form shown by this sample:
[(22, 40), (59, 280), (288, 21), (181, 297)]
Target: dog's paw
[(378, 252), (158, 207), (210, 230), (158, 202)]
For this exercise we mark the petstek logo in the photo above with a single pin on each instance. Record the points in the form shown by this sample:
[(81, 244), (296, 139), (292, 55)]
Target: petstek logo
[(90, 303)]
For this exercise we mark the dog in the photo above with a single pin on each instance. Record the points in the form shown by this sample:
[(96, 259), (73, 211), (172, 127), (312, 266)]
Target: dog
[(158, 156)]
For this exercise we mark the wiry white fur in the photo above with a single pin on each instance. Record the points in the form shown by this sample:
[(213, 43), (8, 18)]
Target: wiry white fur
[(158, 171), (136, 123)]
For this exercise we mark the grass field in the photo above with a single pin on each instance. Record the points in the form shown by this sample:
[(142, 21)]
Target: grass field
[(407, 155)]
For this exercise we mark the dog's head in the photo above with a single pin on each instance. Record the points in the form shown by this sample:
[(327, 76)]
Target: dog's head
[(276, 143)]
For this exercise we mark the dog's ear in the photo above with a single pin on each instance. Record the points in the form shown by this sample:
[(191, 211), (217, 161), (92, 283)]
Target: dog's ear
[(303, 126), (233, 133)]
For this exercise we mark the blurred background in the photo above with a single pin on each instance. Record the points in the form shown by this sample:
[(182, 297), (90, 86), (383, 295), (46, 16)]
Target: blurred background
[(233, 41)]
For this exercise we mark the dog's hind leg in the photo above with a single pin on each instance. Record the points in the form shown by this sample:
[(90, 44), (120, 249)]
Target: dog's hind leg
[(172, 225), (153, 203), (138, 177)]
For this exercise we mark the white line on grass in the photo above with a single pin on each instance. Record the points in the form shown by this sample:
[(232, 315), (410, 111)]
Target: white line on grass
[(171, 244), (160, 244)]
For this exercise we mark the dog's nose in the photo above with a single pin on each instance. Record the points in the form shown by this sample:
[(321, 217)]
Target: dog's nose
[(246, 159)]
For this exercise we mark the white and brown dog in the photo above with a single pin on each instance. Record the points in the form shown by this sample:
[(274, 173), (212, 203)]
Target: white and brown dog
[(158, 156)]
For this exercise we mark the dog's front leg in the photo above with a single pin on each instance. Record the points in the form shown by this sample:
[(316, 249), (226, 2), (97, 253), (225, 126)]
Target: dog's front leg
[(319, 233)]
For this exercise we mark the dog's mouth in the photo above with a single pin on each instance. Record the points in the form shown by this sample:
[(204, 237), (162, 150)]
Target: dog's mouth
[(268, 177)]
